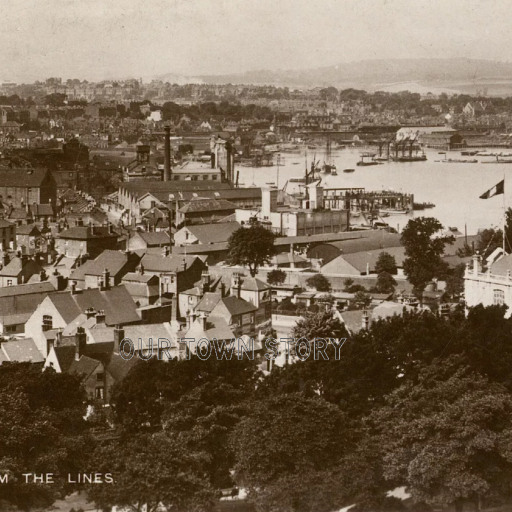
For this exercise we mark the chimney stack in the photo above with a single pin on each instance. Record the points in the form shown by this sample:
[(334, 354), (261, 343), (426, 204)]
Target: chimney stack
[(205, 281), (366, 320), (73, 287), (106, 280), (80, 343), (236, 284), (100, 317), (167, 154), (222, 289), (118, 338), (90, 312), (204, 321), (174, 306)]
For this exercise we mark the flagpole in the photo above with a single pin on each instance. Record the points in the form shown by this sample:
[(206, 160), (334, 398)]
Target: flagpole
[(504, 215)]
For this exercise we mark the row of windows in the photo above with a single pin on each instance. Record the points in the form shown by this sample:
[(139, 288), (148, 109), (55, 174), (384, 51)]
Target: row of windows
[(499, 297)]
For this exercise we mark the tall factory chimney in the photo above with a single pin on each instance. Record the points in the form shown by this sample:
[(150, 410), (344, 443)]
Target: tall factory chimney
[(167, 154)]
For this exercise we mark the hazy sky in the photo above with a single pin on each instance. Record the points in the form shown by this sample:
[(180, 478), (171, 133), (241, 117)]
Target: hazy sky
[(95, 39)]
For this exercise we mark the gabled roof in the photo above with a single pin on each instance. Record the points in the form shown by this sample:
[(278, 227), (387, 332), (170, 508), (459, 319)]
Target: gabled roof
[(26, 289), (15, 266), (84, 367), (24, 178), (253, 284), (117, 303), (171, 263), (208, 302), (502, 266), (155, 238), (87, 233), (137, 277), (207, 205), (114, 261), (23, 350), (65, 355), (213, 233), (237, 306), (7, 224), (28, 229), (360, 260)]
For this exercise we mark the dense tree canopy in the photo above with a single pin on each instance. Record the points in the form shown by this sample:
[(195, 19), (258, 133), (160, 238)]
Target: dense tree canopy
[(251, 246), (319, 282), (42, 430), (424, 246)]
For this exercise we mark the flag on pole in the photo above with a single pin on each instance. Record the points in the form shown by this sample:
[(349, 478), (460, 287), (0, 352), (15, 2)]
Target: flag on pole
[(494, 191)]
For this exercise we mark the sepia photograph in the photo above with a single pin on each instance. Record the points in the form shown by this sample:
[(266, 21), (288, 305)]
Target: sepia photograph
[(256, 256)]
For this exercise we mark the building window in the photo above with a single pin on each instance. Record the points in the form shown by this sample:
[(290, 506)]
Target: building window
[(100, 377), (205, 176), (47, 323), (499, 297), (190, 299), (99, 393), (214, 177), (9, 282)]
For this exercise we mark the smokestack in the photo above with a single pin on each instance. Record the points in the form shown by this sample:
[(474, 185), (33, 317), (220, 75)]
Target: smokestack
[(167, 154)]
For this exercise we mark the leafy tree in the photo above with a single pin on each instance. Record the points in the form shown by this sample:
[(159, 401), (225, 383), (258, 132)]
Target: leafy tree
[(40, 432), (361, 300), (386, 263), (455, 282), (150, 469), (252, 246), (448, 436), (489, 240), (143, 396), (385, 282), (347, 283), (319, 282), (276, 277), (284, 442), (319, 325), (424, 246)]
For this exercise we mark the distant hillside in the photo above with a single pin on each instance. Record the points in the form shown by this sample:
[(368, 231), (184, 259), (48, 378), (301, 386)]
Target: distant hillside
[(370, 73)]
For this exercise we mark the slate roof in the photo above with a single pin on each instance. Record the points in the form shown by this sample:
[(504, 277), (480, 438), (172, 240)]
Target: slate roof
[(27, 289), (119, 367), (353, 320), (171, 263), (207, 205), (28, 229), (253, 284), (213, 233), (502, 266), (360, 260), (237, 306), (23, 350), (208, 302), (380, 241), (7, 224), (15, 266), (114, 261), (65, 355), (86, 233), (117, 303), (155, 238), (84, 367), (137, 277), (24, 178)]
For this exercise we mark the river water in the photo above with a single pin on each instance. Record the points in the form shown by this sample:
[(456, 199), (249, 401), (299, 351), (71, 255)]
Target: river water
[(453, 187)]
